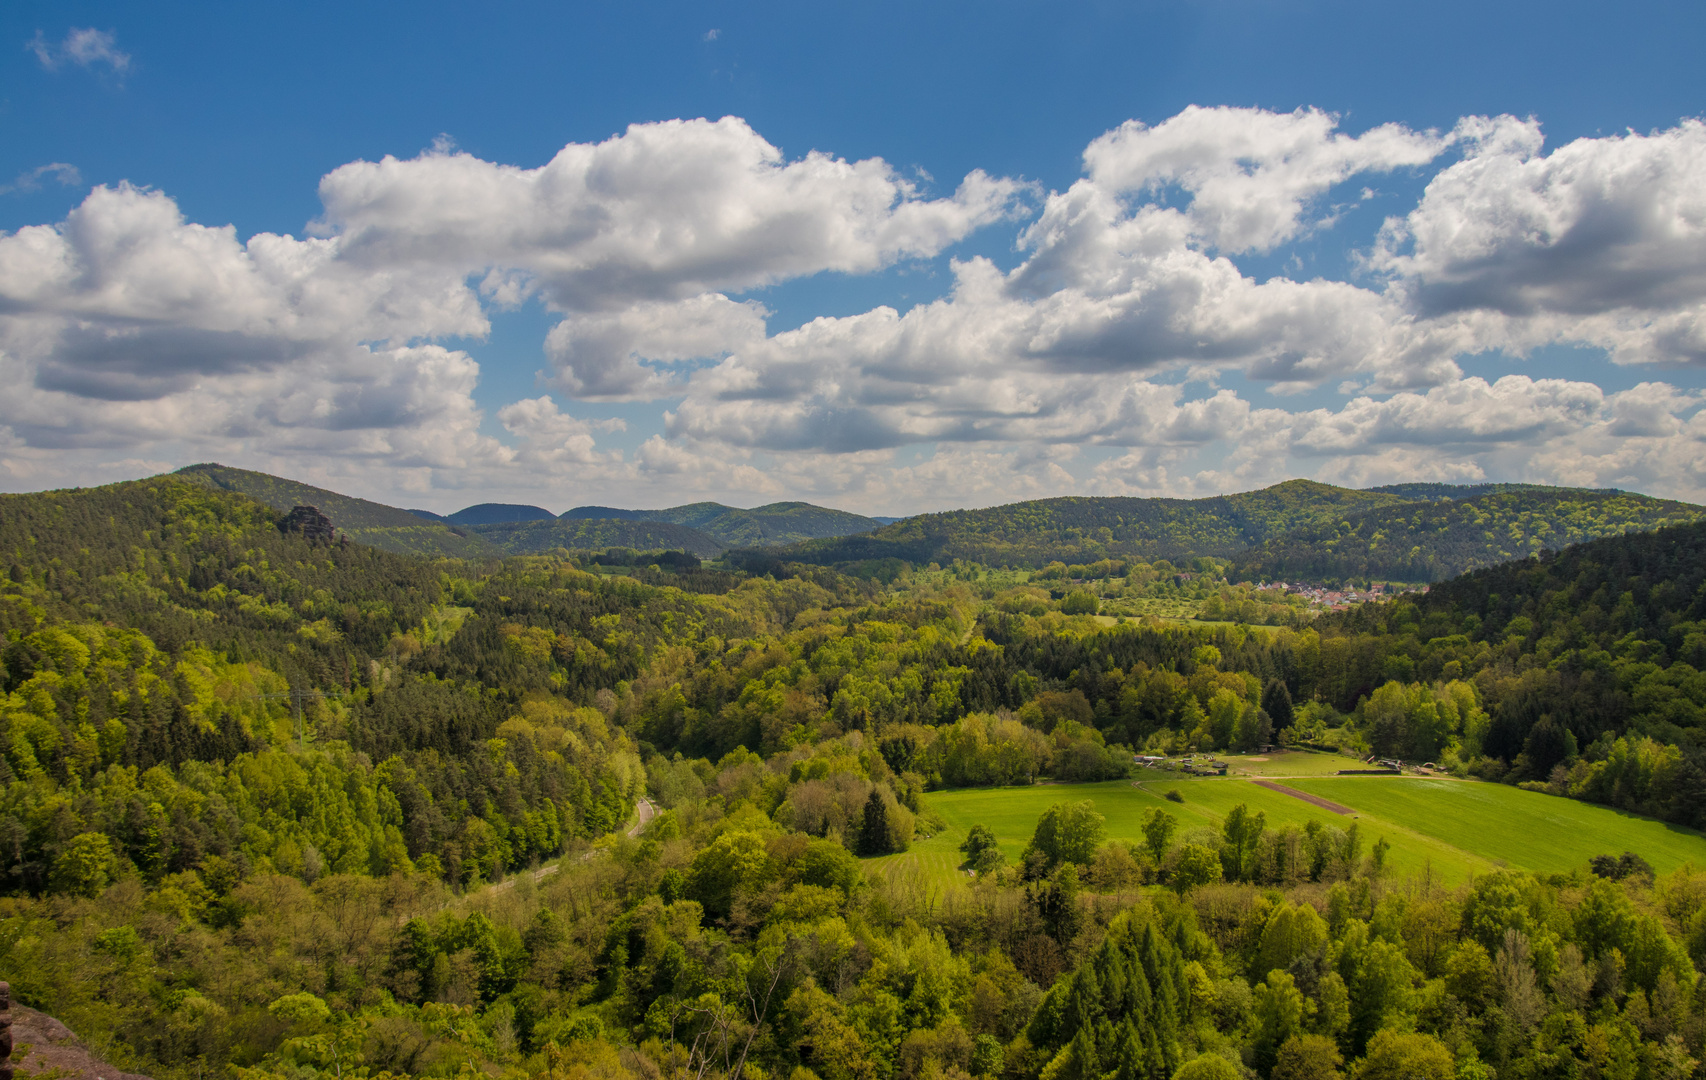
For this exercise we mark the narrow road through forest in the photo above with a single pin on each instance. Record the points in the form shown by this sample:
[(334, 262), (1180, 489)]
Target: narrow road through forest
[(644, 810)]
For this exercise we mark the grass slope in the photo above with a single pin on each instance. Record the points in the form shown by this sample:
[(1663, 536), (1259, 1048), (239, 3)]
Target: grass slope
[(1087, 529), (1524, 828), (591, 534), (1435, 540), (1011, 813), (371, 523), (1456, 828)]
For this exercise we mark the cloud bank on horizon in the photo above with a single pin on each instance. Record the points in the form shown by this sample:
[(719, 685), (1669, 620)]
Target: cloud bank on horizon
[(134, 340)]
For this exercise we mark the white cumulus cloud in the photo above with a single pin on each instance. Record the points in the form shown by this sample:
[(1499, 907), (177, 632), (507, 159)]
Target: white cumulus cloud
[(127, 325), (1601, 241), (130, 334), (627, 353), (664, 211), (1250, 173)]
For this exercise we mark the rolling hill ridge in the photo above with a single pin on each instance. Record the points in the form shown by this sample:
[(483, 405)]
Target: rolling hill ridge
[(1435, 540), (375, 524), (775, 523), (242, 760), (705, 529), (590, 534), (1085, 529), (712, 525), (1298, 530), (499, 513)]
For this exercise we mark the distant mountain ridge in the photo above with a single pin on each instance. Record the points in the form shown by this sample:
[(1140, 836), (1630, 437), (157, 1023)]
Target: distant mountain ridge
[(726, 526), (730, 526), (771, 524), (1438, 539), (1298, 530), (1429, 492), (1086, 529), (706, 529), (591, 534), (371, 523), (499, 513)]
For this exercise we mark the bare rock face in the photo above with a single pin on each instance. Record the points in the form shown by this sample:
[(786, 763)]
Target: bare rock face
[(310, 522), (45, 1045)]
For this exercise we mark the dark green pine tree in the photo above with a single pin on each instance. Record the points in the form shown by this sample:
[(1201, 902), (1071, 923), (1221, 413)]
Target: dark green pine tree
[(874, 835), (1276, 702), (1134, 1065), (1082, 1063)]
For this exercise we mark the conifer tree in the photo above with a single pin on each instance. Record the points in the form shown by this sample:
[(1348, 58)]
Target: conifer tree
[(874, 833)]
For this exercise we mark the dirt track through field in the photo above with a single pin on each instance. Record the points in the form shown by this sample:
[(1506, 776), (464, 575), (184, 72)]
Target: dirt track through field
[(1325, 804)]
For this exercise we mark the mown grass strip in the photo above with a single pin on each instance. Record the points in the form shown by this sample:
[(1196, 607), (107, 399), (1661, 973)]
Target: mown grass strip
[(1524, 829)]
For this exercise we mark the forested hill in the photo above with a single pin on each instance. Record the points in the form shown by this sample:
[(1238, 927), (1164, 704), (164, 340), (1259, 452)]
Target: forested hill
[(776, 523), (1435, 540), (1641, 593), (1425, 492), (1591, 658), (1084, 530), (382, 526), (208, 888), (156, 635), (591, 534), (499, 513)]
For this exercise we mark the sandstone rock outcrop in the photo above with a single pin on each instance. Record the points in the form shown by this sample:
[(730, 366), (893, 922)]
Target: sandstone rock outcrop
[(310, 522)]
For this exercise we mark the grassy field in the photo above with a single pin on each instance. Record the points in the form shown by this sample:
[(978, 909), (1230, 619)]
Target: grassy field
[(1011, 813), (1455, 828), (1524, 828), (935, 861)]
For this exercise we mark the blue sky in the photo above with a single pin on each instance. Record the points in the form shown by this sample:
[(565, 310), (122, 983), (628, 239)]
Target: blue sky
[(235, 113)]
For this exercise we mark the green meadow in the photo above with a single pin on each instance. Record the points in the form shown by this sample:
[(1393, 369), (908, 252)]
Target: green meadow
[(1526, 829), (1454, 829)]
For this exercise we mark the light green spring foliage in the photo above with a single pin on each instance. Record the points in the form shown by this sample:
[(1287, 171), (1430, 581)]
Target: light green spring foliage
[(202, 890), (1068, 833), (1088, 530), (1436, 540)]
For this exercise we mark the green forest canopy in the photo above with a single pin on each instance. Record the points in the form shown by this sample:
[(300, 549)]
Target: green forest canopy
[(381, 526), (592, 534), (204, 882), (1079, 529), (1433, 541), (1296, 530), (774, 523)]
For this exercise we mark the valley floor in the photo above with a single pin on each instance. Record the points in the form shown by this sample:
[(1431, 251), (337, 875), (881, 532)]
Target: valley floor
[(1452, 829)]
